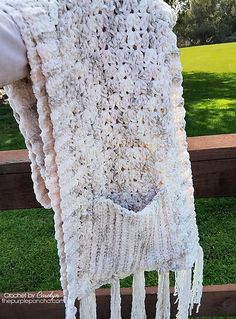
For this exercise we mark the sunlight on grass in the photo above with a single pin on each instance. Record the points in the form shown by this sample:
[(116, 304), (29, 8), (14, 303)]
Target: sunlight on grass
[(214, 58), (210, 89), (210, 116), (218, 103)]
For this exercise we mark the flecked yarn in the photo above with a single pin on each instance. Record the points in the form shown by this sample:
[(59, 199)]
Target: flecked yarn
[(102, 115)]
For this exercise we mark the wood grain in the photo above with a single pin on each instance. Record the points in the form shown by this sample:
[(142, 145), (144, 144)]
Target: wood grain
[(216, 301)]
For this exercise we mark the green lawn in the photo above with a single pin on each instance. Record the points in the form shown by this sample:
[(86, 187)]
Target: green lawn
[(28, 255), (215, 58), (210, 89), (10, 138)]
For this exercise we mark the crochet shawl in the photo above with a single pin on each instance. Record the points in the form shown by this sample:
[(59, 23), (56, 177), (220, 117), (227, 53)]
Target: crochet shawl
[(102, 115)]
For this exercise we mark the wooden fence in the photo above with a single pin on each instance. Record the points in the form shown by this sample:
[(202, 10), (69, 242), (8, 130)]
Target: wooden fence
[(213, 160)]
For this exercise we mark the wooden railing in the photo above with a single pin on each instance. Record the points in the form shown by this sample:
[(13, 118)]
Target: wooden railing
[(213, 160)]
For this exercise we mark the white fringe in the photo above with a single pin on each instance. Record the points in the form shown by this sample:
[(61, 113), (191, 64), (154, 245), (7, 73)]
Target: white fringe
[(138, 296), (197, 281), (88, 307), (183, 279), (187, 289), (163, 296), (115, 300), (188, 295), (71, 309)]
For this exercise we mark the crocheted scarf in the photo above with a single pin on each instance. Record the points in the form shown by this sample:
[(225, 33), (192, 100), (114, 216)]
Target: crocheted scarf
[(102, 115)]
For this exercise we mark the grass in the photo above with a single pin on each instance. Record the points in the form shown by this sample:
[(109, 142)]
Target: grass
[(10, 136), (210, 88), (28, 255), (215, 58), (210, 102)]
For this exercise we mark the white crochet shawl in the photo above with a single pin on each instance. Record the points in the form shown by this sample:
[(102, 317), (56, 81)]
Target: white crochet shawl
[(102, 115)]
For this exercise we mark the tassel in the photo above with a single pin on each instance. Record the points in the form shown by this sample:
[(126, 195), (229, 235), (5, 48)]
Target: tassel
[(88, 307), (197, 281), (187, 296), (71, 309), (115, 299), (183, 291), (138, 298), (163, 296)]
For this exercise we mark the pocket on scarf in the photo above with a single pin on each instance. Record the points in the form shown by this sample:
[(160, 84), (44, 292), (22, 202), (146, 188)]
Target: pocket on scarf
[(123, 240)]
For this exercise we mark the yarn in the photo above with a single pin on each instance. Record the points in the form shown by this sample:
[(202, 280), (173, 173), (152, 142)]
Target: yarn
[(102, 115), (138, 302)]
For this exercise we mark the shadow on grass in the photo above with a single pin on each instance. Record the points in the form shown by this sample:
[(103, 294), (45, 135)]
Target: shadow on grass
[(210, 102)]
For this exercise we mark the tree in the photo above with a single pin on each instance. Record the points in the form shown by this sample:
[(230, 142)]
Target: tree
[(207, 21), (178, 5)]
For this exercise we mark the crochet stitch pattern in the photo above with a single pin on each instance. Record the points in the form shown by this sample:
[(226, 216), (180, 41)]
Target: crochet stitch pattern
[(102, 115)]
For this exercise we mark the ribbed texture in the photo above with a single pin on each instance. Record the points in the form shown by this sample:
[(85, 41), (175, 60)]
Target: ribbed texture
[(103, 119), (35, 123)]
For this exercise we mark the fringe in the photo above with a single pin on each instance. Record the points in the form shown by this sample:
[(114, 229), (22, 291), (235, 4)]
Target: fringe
[(163, 296), (115, 299), (197, 281), (188, 295), (183, 280), (70, 308), (138, 298), (187, 289), (88, 307)]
